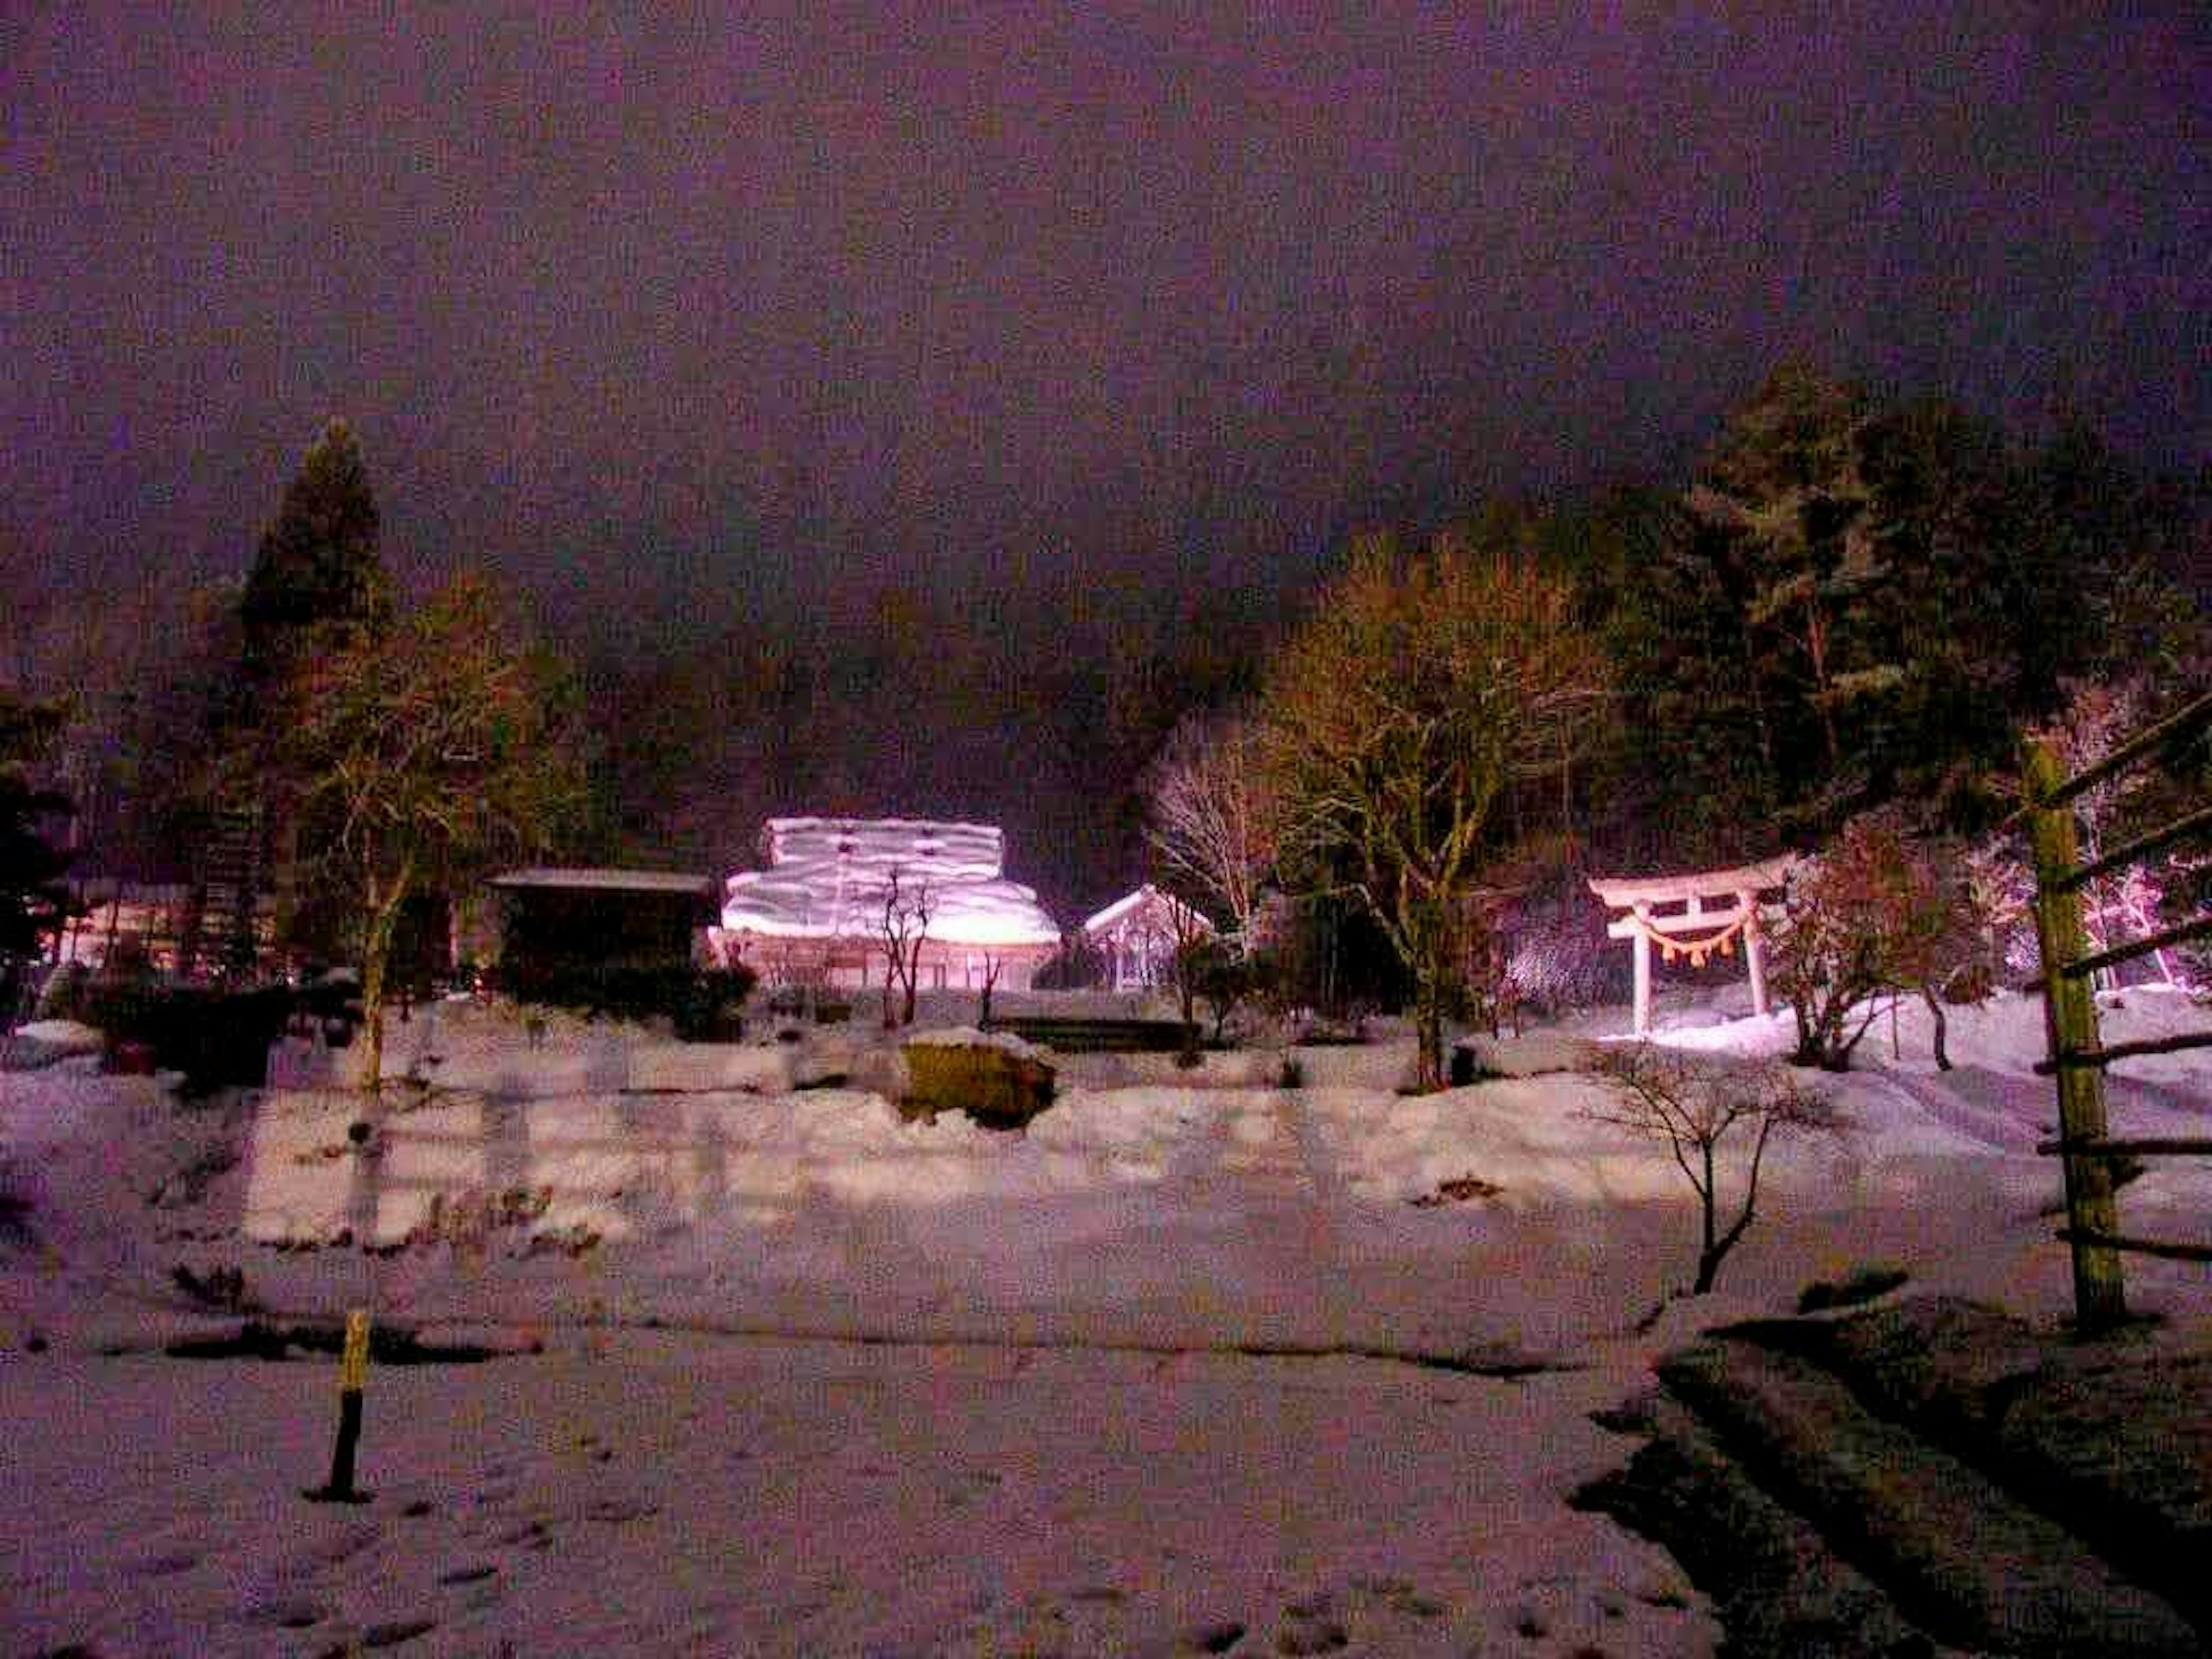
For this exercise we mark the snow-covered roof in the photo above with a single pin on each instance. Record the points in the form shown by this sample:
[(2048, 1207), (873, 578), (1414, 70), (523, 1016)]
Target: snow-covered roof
[(619, 881), (1129, 904), (829, 878)]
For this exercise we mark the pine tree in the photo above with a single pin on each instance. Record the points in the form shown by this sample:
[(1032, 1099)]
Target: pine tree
[(317, 585), (317, 564), (1787, 484)]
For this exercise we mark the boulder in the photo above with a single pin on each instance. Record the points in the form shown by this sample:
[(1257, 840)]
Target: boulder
[(999, 1081)]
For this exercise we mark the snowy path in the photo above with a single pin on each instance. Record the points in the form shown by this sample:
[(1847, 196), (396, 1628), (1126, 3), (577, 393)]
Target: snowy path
[(2001, 1111)]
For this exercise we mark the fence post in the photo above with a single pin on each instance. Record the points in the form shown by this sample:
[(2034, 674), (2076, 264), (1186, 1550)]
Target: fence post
[(353, 1376), (2070, 1019)]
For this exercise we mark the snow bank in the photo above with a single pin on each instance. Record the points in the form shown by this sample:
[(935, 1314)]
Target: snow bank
[(460, 1045), (1531, 1055), (44, 1043)]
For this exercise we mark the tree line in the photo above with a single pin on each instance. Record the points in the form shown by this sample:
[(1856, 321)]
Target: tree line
[(1829, 641), (1855, 602)]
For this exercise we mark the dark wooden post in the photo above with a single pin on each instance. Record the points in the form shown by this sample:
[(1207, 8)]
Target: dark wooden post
[(2070, 1021), (353, 1377)]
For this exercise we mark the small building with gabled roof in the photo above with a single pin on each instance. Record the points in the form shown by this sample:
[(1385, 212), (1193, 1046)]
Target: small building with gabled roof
[(551, 918), (1136, 936)]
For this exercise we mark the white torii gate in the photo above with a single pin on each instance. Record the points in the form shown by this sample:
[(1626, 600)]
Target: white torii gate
[(1697, 929)]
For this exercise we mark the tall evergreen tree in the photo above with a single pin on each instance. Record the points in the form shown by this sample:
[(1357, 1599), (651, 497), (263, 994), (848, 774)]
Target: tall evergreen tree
[(318, 563), (317, 585), (1785, 488)]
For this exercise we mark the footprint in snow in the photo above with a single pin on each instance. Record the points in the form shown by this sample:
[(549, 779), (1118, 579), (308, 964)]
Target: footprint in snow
[(617, 1511), (164, 1563), (532, 1534), (339, 1545), (285, 1610), (393, 1632), (1215, 1636)]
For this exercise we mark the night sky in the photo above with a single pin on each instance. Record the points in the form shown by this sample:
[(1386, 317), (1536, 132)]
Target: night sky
[(749, 311)]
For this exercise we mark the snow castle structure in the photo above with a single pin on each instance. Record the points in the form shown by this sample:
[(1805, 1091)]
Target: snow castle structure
[(817, 915)]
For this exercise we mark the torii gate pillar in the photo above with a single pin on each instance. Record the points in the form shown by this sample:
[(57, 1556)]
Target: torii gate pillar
[(1754, 951), (1642, 944)]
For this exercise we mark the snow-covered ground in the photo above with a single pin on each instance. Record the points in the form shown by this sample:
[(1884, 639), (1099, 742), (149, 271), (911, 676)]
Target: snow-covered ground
[(1188, 1355)]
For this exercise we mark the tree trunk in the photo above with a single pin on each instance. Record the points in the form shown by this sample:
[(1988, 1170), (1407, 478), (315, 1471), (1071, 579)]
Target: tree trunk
[(376, 953), (376, 947), (1759, 713), (1710, 1253), (1936, 1012), (1429, 1024), (1808, 1039), (1816, 644)]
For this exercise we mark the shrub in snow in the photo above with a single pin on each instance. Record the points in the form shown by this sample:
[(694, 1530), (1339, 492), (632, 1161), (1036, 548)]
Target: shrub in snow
[(1697, 1104), (468, 1220), (1880, 911), (1001, 1086), (218, 1038), (704, 1005), (46, 1042), (66, 993), (1224, 980)]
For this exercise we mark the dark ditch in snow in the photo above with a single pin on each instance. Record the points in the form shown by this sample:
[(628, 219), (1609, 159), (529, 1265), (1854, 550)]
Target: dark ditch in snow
[(387, 1345)]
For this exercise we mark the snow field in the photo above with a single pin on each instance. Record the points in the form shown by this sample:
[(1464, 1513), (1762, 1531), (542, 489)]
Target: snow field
[(1044, 1438)]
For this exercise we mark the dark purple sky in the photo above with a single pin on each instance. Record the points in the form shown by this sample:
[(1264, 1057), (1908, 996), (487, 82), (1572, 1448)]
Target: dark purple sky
[(671, 315)]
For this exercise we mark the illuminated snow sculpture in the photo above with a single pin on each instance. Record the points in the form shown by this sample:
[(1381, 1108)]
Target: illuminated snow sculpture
[(816, 914), (1696, 916)]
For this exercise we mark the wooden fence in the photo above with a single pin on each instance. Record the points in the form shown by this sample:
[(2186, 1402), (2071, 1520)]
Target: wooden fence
[(2078, 1057)]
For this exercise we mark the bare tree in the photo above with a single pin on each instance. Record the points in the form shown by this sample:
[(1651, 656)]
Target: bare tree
[(1419, 694), (1212, 817), (992, 961), (1695, 1102), (904, 928), (2097, 718)]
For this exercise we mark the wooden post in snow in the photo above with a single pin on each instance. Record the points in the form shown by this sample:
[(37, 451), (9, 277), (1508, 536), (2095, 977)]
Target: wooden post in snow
[(2070, 1022), (353, 1379)]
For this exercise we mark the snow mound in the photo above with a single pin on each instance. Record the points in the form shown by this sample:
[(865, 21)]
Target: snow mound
[(46, 1042)]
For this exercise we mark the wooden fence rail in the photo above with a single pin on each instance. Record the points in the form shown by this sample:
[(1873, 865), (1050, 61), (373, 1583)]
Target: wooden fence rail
[(2077, 1056)]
